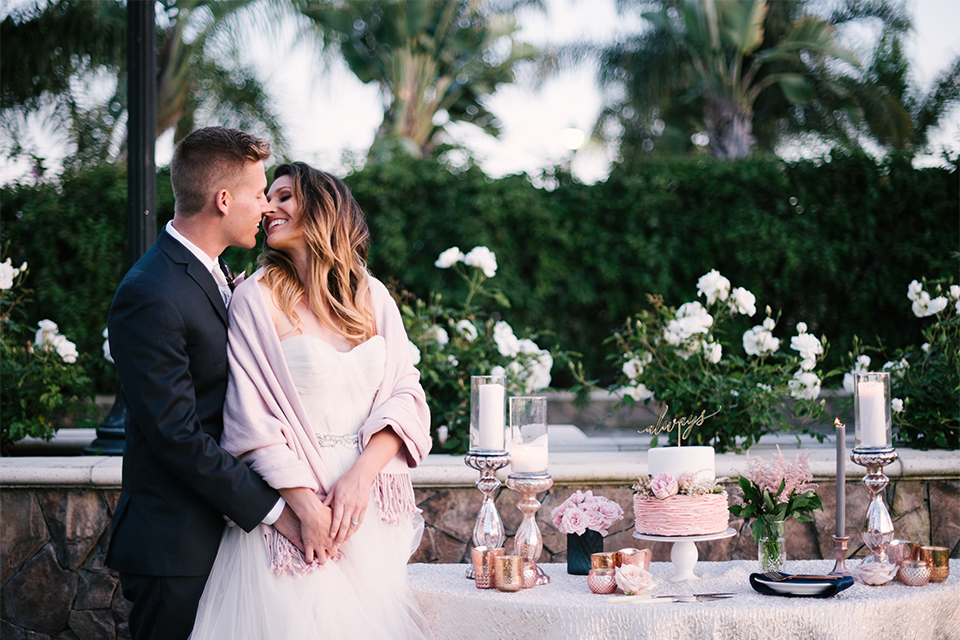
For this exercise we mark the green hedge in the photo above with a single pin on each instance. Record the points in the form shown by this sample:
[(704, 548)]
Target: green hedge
[(576, 260)]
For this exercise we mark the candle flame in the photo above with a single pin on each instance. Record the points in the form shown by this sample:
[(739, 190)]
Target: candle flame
[(837, 423)]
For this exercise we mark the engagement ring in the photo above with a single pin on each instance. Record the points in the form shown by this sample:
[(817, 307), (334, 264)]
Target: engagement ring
[(355, 523)]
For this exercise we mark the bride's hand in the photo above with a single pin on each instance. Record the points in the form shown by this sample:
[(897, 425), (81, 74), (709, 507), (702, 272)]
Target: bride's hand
[(348, 500)]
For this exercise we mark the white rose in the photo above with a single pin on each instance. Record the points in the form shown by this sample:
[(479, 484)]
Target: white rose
[(848, 382), (66, 349), (743, 302), (758, 341), (467, 330), (805, 385), (482, 258), (808, 346), (507, 343), (414, 352), (768, 322), (638, 392), (448, 258), (437, 334), (913, 290), (712, 351), (801, 327), (632, 368), (897, 405), (8, 273), (955, 291), (925, 347), (442, 433), (498, 371), (863, 363), (714, 286), (46, 333)]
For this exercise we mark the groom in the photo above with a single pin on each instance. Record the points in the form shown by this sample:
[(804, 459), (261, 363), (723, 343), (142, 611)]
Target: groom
[(168, 335)]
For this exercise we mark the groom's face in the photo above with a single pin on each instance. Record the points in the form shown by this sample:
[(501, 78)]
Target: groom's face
[(247, 206)]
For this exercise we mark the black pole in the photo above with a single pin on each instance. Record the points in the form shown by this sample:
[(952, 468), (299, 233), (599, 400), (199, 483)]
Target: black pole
[(141, 176)]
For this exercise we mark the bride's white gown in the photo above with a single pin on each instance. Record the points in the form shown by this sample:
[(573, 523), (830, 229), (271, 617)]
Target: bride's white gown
[(365, 594)]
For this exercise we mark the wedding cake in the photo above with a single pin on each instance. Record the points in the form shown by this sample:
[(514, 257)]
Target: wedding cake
[(680, 496)]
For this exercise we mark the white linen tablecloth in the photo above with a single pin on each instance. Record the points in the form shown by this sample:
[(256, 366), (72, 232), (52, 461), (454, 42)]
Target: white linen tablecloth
[(455, 609)]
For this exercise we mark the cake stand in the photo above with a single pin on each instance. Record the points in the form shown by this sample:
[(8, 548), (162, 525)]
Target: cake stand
[(684, 553)]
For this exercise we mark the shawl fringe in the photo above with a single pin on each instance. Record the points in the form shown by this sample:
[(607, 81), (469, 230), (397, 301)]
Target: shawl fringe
[(394, 495), (286, 559)]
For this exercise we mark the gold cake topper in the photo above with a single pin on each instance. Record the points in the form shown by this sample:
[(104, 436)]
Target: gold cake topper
[(679, 423)]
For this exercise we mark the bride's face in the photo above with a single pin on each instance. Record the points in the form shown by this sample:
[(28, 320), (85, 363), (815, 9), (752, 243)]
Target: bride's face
[(281, 221)]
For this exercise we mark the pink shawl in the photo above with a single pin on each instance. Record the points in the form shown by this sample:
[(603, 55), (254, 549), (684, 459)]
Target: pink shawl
[(265, 424)]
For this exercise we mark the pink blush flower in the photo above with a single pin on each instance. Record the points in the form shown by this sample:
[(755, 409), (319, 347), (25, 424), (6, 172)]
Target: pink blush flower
[(610, 512), (633, 580), (663, 486), (574, 521)]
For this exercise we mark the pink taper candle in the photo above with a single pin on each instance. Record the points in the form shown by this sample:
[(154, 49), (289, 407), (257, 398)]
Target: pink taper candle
[(841, 476)]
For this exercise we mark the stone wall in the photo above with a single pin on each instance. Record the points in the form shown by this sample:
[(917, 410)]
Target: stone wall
[(53, 541)]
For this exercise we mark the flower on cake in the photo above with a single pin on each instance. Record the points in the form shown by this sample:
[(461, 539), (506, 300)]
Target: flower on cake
[(633, 580), (583, 511), (663, 485), (774, 490)]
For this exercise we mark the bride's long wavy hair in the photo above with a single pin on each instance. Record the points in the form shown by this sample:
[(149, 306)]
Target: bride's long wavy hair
[(337, 238)]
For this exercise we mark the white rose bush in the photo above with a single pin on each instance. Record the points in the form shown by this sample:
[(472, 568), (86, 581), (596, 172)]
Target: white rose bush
[(925, 379), (754, 382), (451, 344), (40, 378)]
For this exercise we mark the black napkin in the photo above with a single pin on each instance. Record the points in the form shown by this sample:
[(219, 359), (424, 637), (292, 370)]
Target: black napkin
[(831, 587)]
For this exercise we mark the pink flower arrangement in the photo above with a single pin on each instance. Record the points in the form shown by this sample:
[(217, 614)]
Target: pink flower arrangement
[(664, 485), (583, 511), (768, 474)]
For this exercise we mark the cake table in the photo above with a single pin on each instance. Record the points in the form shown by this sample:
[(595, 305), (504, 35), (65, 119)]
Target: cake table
[(684, 553)]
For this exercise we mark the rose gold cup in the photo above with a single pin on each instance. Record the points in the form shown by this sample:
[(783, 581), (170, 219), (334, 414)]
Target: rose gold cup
[(508, 573), (939, 560), (483, 558), (602, 580), (914, 573), (636, 557), (603, 560), (900, 550)]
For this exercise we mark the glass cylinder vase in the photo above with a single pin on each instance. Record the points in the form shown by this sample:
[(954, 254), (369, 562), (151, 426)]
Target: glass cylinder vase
[(580, 548), (871, 410), (487, 414), (772, 548)]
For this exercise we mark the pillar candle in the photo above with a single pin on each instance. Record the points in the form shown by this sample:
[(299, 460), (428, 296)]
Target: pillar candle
[(530, 458), (491, 417), (841, 478), (873, 420)]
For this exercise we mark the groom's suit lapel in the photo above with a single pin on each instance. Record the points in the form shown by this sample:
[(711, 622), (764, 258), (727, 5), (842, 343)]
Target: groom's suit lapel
[(179, 254)]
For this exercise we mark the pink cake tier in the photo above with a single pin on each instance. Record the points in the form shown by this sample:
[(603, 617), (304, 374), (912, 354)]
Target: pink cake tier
[(682, 515)]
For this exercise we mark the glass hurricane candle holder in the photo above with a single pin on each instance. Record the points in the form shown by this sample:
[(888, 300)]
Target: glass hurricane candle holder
[(871, 410), (528, 434), (487, 404)]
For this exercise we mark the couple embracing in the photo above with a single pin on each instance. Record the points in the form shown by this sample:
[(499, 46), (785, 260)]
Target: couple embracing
[(271, 428)]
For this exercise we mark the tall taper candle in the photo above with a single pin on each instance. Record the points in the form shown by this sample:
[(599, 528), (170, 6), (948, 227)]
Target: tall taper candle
[(841, 477)]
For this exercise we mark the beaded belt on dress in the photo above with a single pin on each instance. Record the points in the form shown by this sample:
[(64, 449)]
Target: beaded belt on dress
[(333, 440)]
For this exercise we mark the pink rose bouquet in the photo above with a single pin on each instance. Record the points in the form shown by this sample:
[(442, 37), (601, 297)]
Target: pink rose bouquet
[(583, 511)]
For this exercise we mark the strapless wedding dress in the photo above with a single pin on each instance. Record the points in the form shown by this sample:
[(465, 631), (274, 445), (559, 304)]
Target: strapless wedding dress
[(363, 595)]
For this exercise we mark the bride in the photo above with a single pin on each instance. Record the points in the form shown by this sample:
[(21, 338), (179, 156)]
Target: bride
[(323, 402)]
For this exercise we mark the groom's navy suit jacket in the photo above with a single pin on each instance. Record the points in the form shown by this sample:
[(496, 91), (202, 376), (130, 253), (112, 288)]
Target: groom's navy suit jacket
[(168, 336)]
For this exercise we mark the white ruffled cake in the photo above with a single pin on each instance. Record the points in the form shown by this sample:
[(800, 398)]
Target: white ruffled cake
[(682, 514)]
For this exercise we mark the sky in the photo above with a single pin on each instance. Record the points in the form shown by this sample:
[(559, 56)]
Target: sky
[(330, 117)]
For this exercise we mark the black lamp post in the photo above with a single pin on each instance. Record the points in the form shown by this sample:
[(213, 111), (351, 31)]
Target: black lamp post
[(141, 176)]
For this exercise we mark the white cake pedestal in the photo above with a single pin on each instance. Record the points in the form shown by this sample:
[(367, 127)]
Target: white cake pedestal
[(684, 553)]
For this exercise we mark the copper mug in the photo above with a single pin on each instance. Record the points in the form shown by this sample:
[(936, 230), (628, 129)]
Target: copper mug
[(603, 560), (508, 573), (636, 557), (939, 560), (483, 558)]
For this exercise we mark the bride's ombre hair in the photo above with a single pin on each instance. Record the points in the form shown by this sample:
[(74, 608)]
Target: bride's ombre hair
[(337, 240)]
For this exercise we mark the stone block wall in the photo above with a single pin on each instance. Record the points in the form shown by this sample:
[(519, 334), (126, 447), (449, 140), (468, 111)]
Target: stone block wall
[(54, 584)]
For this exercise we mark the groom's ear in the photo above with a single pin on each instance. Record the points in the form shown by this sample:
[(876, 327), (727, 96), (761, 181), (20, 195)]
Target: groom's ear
[(222, 201)]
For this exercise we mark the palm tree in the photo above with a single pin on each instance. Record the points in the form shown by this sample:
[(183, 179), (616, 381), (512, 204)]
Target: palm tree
[(706, 62), (434, 60), (50, 51)]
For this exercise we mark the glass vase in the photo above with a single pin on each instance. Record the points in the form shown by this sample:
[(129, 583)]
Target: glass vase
[(772, 549), (579, 550)]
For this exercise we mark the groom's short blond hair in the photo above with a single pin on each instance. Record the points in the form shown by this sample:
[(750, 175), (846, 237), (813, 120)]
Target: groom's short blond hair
[(208, 160)]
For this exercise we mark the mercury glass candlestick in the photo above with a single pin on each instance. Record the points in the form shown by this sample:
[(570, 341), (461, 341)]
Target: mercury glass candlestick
[(528, 543), (878, 528), (488, 528)]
